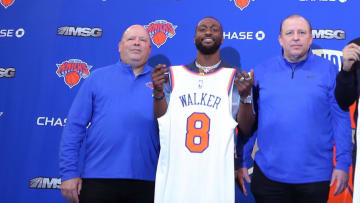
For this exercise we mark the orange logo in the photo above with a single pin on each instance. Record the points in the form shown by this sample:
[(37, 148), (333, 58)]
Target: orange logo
[(7, 3), (160, 31), (72, 71), (242, 4)]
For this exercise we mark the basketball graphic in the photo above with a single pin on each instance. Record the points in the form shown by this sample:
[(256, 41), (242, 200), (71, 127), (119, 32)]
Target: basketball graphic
[(72, 71), (7, 3), (72, 78), (160, 31), (242, 4)]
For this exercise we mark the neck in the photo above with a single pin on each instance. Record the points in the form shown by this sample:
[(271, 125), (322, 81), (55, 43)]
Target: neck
[(208, 60), (136, 67), (295, 59)]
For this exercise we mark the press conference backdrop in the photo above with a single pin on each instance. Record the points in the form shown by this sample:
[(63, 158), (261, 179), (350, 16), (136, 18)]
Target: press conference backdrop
[(49, 47)]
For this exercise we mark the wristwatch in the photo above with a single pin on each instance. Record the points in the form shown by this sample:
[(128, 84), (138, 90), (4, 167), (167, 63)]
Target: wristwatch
[(158, 98), (246, 100)]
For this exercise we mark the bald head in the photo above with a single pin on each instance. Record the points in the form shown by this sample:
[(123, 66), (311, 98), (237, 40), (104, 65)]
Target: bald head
[(135, 46), (292, 17), (135, 28)]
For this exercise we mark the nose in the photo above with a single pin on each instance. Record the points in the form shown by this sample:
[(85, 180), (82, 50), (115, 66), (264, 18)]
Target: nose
[(208, 31), (296, 36), (137, 41)]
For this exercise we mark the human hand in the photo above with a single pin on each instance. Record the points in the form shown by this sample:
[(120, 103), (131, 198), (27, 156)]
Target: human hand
[(351, 54), (341, 178), (242, 173), (70, 189), (158, 77), (244, 82)]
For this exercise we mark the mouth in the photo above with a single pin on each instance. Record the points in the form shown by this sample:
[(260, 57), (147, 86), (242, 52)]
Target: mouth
[(207, 40), (135, 51), (296, 46)]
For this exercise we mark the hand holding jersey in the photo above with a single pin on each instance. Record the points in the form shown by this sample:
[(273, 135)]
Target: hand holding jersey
[(351, 54)]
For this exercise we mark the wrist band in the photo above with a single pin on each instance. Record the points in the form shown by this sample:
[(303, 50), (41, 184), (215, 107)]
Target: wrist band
[(158, 98)]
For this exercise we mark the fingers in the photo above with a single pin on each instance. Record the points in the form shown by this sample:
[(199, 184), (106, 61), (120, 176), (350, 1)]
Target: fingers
[(244, 81), (241, 182), (75, 196), (333, 178), (79, 187), (247, 177), (351, 53), (243, 188), (340, 178), (70, 189), (70, 195), (158, 77)]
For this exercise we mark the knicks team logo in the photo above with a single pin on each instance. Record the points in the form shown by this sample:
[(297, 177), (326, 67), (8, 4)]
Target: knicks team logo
[(242, 4), (149, 85), (7, 3), (72, 71), (160, 31)]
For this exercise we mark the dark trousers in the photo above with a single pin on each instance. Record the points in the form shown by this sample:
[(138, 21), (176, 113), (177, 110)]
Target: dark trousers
[(116, 191), (268, 191)]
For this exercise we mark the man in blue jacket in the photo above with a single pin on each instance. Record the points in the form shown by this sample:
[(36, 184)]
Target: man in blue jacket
[(121, 144), (299, 122)]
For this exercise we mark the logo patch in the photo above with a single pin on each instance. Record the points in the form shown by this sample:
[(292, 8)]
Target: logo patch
[(72, 71), (160, 31), (7, 3), (150, 85)]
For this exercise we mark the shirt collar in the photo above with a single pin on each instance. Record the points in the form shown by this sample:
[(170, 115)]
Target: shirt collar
[(126, 67), (309, 55)]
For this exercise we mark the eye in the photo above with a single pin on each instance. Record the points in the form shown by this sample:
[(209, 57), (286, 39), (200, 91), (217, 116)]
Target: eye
[(288, 33), (215, 29), (301, 32)]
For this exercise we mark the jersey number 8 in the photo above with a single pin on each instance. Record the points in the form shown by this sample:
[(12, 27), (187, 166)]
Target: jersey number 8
[(197, 132)]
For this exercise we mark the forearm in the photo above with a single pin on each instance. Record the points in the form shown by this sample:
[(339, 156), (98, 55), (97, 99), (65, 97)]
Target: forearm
[(160, 107), (244, 148), (245, 118), (345, 91), (342, 137)]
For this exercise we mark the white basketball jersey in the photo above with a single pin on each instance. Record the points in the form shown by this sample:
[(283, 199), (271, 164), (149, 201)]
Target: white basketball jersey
[(196, 163)]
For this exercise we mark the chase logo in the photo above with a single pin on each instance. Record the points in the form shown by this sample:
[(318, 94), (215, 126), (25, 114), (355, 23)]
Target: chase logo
[(259, 35), (334, 56), (51, 121), (79, 31), (7, 3), (72, 71), (328, 34), (45, 183), (11, 33), (160, 31), (242, 4)]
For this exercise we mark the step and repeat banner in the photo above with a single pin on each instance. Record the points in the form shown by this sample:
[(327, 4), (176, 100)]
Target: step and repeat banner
[(48, 48)]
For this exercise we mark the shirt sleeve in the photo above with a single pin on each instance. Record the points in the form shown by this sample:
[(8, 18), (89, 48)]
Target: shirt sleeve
[(75, 130), (345, 90), (342, 131)]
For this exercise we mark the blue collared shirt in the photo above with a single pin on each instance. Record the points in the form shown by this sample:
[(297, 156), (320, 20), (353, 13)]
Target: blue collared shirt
[(299, 121), (122, 140)]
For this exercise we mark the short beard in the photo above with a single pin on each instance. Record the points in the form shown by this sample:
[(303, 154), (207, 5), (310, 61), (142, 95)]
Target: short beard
[(207, 50)]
